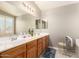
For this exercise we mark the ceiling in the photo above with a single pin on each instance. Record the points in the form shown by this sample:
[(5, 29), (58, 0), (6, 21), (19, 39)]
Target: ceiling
[(16, 8), (46, 5)]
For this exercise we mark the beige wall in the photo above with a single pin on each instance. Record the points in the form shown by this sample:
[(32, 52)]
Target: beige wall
[(62, 21)]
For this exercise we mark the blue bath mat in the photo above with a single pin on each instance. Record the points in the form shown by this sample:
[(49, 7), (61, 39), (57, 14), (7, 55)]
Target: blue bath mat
[(49, 53)]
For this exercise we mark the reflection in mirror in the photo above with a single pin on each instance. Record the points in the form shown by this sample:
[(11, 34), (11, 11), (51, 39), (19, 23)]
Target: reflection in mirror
[(44, 24), (9, 25), (6, 25), (38, 23), (1, 23)]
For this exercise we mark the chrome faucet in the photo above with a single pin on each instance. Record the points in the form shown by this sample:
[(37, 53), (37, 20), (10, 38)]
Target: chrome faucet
[(13, 38)]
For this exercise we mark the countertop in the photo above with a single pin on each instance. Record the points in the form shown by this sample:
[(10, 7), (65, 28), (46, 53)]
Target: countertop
[(6, 43)]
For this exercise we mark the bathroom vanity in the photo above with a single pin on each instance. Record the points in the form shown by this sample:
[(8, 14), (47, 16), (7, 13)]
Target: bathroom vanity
[(25, 48)]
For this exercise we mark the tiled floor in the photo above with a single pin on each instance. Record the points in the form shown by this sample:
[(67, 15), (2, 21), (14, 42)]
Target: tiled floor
[(60, 53)]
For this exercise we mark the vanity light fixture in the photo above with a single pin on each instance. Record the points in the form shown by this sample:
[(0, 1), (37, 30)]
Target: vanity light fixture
[(24, 4), (29, 8)]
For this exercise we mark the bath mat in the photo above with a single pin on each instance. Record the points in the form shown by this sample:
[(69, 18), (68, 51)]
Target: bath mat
[(49, 53)]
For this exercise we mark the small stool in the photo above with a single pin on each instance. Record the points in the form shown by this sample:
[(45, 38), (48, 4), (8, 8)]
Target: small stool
[(62, 45)]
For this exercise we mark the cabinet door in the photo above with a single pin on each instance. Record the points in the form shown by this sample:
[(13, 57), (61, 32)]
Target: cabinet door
[(32, 53), (46, 41), (32, 49), (40, 46), (19, 51)]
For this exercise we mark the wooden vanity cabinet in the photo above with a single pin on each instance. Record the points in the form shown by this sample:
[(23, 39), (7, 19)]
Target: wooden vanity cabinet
[(16, 52), (32, 49)]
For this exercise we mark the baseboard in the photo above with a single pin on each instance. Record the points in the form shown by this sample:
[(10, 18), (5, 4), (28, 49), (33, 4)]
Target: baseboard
[(53, 47)]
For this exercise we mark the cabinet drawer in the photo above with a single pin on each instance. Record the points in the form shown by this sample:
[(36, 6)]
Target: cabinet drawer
[(14, 51), (31, 44)]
